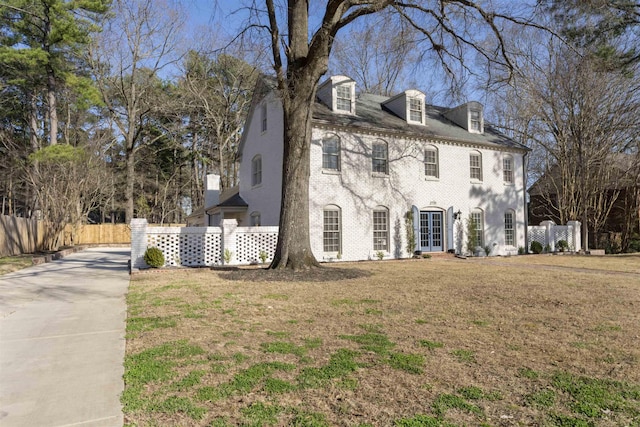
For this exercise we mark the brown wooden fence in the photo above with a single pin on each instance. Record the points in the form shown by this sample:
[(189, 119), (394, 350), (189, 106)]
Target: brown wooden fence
[(24, 236)]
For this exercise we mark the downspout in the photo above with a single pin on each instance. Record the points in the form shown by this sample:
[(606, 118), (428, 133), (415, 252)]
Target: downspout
[(526, 207)]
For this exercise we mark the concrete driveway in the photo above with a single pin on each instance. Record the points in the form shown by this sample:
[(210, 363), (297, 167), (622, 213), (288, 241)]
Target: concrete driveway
[(62, 343)]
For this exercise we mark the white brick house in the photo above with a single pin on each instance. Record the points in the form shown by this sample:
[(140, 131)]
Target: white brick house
[(375, 159)]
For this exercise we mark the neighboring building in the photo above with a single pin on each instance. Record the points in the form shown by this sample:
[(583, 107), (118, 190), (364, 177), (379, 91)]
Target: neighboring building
[(620, 202), (377, 160)]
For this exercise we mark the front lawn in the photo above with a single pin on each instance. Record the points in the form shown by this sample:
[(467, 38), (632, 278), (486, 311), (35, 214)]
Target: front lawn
[(406, 343)]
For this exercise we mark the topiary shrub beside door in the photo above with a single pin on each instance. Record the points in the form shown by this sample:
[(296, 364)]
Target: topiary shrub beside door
[(154, 257)]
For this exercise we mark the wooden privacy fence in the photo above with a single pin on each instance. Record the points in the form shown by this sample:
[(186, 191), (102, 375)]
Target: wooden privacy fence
[(20, 235), (24, 235)]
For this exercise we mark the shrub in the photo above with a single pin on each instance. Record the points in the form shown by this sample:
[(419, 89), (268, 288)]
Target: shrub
[(263, 256), (154, 257), (536, 247), (563, 245), (521, 250)]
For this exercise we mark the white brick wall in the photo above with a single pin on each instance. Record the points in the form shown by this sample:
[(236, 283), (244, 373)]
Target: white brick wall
[(358, 192)]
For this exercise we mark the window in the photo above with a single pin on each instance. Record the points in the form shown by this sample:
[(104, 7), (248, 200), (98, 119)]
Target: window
[(431, 162), (507, 169), (475, 121), (380, 158), (263, 115), (343, 98), (255, 219), (380, 230), (256, 171), (415, 110), (331, 153), (475, 165), (478, 220), (331, 230), (509, 231)]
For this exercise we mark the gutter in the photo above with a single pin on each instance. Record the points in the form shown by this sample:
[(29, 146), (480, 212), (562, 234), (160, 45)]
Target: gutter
[(526, 208)]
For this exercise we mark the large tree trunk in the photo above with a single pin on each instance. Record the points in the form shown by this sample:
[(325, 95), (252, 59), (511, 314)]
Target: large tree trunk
[(294, 248)]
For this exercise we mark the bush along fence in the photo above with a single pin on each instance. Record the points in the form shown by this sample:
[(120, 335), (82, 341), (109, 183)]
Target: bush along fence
[(227, 244), (552, 237)]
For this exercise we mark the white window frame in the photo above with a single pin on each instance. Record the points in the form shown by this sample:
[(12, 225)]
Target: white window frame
[(416, 109), (434, 163), (475, 168), (256, 170), (331, 229), (263, 116), (328, 156), (381, 229), (478, 217), (377, 161), (475, 121), (509, 228), (344, 101), (507, 169)]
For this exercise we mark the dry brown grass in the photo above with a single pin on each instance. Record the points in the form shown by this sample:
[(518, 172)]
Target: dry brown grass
[(506, 326)]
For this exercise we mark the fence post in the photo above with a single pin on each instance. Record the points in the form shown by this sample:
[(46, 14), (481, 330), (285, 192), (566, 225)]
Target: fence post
[(229, 227), (138, 242), (549, 235), (577, 235)]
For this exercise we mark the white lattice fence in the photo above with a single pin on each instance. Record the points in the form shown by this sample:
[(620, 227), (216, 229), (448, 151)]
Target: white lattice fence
[(251, 241), (187, 246), (563, 232), (538, 234)]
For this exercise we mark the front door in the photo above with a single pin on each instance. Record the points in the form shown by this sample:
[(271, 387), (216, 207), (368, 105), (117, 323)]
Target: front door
[(430, 231)]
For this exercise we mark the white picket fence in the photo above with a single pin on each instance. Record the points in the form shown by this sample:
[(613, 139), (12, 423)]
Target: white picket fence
[(203, 246), (548, 234)]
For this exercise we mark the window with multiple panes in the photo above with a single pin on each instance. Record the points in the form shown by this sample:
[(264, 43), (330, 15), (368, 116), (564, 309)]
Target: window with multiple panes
[(331, 153), (415, 110), (509, 231), (343, 97), (255, 219), (478, 221), (263, 114), (475, 166), (256, 170), (331, 230), (380, 230), (380, 157), (475, 120), (431, 162), (507, 169)]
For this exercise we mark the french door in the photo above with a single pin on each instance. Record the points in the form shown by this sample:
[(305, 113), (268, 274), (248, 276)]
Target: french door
[(431, 231)]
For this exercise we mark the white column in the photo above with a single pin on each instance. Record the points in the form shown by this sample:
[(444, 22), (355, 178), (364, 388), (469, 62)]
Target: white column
[(229, 227), (138, 242), (549, 235), (577, 235)]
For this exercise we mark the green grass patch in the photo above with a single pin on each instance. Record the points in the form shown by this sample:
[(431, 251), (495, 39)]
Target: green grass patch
[(541, 399), (464, 356), (277, 297), (444, 402), (307, 419), (340, 365), (431, 345), (276, 385), (143, 324), (374, 342), (192, 379), (176, 404), (312, 343), (259, 414), (421, 421), (528, 373), (283, 347), (278, 334), (408, 362)]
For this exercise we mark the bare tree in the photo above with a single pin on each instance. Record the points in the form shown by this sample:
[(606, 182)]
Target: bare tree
[(137, 44), (446, 28), (581, 121)]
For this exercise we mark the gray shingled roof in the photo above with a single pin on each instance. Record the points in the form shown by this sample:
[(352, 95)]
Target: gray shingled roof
[(372, 116)]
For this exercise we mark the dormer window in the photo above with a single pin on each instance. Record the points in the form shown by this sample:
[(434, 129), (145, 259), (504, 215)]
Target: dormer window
[(343, 97), (415, 109), (475, 121)]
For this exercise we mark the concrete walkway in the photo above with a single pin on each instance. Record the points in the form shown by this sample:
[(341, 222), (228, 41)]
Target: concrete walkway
[(62, 341)]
